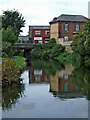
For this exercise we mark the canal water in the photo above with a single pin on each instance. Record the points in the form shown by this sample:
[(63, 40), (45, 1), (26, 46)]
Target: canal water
[(48, 90)]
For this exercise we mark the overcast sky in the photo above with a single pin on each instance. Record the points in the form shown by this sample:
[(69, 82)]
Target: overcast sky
[(41, 12)]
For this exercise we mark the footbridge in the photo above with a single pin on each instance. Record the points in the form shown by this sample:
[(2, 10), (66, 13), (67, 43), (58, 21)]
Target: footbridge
[(27, 47)]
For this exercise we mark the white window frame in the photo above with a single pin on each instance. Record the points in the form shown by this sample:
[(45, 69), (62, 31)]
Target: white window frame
[(77, 27), (46, 32), (66, 27), (37, 32)]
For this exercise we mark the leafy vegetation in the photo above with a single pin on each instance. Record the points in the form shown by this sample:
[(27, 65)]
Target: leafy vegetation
[(48, 51), (12, 22), (65, 57), (11, 94), (81, 78), (13, 19), (81, 46), (11, 70), (19, 61), (51, 66)]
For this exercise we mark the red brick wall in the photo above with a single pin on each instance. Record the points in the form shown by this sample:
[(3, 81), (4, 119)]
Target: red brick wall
[(41, 35), (71, 29)]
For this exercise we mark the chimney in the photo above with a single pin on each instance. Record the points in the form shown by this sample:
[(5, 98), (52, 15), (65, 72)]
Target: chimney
[(89, 9)]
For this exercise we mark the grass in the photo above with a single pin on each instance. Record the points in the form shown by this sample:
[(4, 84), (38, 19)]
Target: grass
[(20, 61)]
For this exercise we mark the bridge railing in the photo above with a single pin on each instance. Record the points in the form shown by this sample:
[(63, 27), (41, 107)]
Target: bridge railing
[(23, 46)]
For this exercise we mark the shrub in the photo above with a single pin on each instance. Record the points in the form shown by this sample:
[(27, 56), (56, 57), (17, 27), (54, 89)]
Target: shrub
[(7, 49), (65, 57), (46, 51), (57, 50), (10, 72)]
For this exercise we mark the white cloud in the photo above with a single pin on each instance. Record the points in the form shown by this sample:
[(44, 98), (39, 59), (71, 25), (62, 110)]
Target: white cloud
[(40, 12)]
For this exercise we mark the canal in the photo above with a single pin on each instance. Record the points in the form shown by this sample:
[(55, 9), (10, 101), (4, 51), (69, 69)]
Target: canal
[(48, 90)]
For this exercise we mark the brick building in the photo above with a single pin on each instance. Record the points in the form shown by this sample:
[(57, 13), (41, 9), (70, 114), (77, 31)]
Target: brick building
[(39, 34), (65, 27)]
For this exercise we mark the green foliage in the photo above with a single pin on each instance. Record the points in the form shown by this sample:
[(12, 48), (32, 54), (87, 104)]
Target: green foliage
[(11, 94), (48, 51), (81, 44), (13, 19), (19, 61), (51, 66), (81, 79), (9, 36), (7, 50), (10, 72), (57, 50), (65, 57)]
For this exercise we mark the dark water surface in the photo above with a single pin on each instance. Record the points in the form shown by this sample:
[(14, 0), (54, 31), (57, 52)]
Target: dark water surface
[(48, 90)]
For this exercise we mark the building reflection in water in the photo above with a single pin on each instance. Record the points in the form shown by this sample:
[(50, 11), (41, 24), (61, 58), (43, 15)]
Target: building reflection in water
[(61, 85), (40, 76)]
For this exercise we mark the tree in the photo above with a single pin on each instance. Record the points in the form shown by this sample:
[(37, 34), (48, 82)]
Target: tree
[(81, 44), (8, 40), (13, 19), (9, 36)]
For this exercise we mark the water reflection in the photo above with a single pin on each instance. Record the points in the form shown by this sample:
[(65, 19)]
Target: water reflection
[(81, 78), (11, 95), (61, 85), (40, 76), (64, 82)]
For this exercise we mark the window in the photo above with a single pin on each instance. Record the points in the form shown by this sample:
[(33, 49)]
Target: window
[(83, 26), (47, 32), (77, 27), (66, 38), (37, 32), (66, 27)]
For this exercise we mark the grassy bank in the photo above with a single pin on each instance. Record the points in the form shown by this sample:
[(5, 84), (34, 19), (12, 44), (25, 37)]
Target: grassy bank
[(11, 70)]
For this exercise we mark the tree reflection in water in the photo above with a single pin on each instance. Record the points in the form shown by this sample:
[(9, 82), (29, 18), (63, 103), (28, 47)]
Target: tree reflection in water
[(66, 82), (81, 78), (11, 95), (71, 83)]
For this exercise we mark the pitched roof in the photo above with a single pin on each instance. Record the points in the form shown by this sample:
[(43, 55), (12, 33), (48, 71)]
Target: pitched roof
[(73, 18)]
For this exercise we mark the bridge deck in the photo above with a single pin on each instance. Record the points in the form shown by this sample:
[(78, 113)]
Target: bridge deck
[(27, 46)]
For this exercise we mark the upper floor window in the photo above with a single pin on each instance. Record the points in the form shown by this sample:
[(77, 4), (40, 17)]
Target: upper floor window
[(83, 26), (66, 27), (77, 27), (47, 32), (37, 32)]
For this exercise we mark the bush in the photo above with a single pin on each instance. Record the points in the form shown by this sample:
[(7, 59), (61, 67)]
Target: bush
[(7, 50), (10, 72), (65, 57), (57, 50), (48, 51)]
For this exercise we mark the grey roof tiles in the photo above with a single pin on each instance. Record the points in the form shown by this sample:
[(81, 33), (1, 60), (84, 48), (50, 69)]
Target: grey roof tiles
[(73, 18)]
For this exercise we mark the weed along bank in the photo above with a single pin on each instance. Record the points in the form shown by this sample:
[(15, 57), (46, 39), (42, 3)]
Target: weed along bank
[(64, 27)]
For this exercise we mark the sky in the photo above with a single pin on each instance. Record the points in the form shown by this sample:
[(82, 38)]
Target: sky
[(41, 12)]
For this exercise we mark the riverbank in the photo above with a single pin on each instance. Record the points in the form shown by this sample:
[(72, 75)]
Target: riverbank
[(57, 52), (12, 69)]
